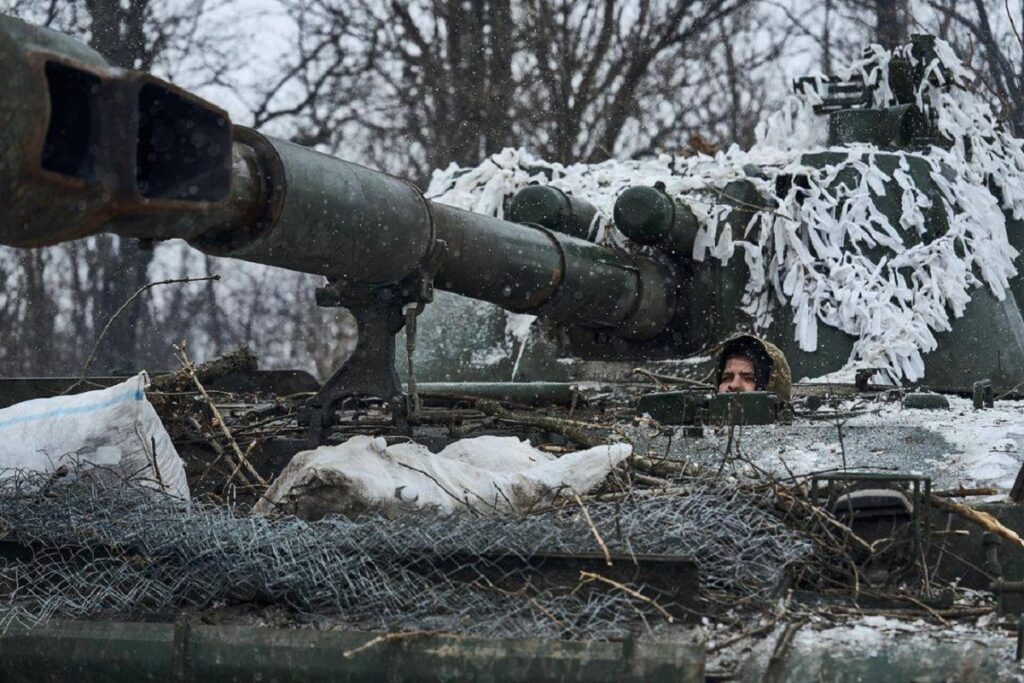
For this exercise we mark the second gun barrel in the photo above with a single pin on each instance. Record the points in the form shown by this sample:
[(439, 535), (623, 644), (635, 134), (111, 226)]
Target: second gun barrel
[(315, 213)]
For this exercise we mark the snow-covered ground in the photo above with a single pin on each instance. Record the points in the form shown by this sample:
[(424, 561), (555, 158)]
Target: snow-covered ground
[(986, 447), (871, 648), (956, 447)]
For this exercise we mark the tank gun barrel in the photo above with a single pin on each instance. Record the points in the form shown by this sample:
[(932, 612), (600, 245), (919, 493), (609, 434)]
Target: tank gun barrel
[(89, 149), (552, 208), (647, 215)]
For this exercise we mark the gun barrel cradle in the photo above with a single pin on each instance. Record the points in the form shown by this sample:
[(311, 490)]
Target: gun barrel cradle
[(88, 149)]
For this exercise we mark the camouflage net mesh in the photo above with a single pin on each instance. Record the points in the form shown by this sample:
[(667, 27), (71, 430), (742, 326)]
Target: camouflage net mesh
[(75, 550)]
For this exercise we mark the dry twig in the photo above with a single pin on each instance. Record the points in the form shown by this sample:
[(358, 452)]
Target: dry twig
[(662, 380), (983, 519), (387, 638), (570, 429), (587, 577), (761, 630), (593, 530), (190, 369), (776, 663), (964, 492), (824, 516), (128, 302)]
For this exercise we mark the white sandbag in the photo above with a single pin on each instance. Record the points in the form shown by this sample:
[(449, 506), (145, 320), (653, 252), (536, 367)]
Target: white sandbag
[(485, 474), (113, 430)]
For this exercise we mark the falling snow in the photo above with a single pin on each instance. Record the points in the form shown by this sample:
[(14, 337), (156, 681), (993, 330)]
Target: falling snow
[(809, 252)]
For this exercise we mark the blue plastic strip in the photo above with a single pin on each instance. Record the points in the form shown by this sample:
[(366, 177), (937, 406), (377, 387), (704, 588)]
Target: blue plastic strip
[(134, 395)]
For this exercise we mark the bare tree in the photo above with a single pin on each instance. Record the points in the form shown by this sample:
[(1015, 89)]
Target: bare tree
[(991, 33), (604, 68), (892, 21), (412, 86)]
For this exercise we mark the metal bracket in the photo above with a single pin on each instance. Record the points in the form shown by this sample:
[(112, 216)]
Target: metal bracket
[(743, 408), (982, 394), (862, 378), (412, 398), (696, 407), (830, 487), (368, 372), (836, 94), (380, 313)]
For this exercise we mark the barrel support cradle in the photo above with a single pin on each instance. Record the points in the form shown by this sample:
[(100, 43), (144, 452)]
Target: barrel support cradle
[(380, 313)]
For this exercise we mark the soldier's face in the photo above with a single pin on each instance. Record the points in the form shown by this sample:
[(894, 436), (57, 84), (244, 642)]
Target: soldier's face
[(738, 375)]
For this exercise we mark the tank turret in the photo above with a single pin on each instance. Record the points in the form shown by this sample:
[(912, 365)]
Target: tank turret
[(88, 149)]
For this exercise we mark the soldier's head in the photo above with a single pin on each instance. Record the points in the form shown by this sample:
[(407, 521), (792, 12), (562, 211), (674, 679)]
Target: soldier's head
[(747, 363), (739, 374)]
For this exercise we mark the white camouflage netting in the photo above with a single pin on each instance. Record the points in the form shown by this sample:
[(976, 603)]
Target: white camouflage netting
[(807, 253)]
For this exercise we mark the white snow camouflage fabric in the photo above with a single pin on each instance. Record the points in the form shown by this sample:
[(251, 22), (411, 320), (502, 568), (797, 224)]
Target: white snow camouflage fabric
[(808, 253)]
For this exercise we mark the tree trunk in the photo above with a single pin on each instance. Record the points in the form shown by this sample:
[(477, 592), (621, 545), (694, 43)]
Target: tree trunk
[(892, 19), (118, 32)]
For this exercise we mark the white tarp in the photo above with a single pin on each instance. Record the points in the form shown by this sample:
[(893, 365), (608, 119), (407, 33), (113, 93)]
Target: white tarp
[(114, 430), (485, 474)]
